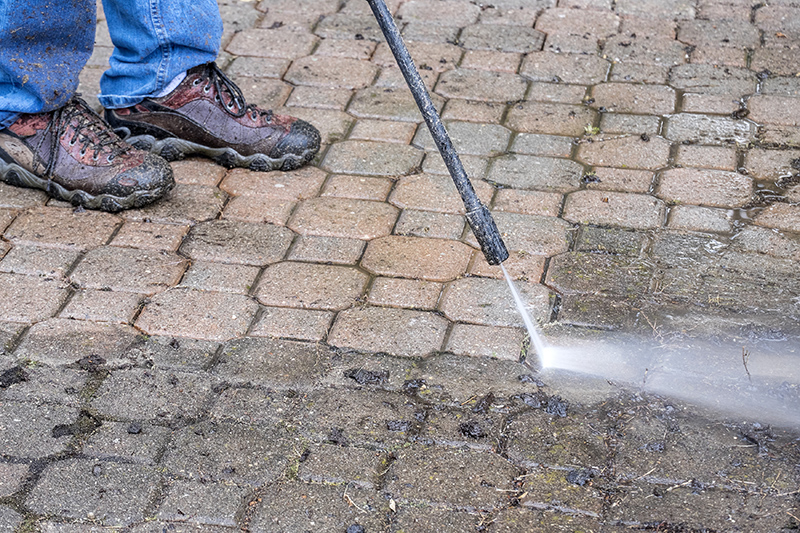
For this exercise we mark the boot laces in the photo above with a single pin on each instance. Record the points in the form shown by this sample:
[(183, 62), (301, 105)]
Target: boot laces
[(236, 106), (89, 130)]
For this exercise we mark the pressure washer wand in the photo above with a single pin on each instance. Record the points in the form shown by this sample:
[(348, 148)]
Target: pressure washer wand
[(478, 216)]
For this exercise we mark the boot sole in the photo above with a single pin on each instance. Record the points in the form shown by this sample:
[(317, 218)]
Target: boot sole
[(17, 176), (172, 149)]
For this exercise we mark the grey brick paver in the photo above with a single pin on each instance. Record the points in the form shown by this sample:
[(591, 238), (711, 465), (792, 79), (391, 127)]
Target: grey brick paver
[(326, 348)]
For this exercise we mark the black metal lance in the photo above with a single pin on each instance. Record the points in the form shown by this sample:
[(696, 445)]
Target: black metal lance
[(478, 216)]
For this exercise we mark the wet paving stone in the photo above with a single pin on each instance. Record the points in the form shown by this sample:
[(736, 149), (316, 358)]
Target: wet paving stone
[(237, 242), (28, 429), (264, 43), (695, 218), (130, 442), (433, 518), (358, 187), (34, 298), (528, 202), (631, 98), (710, 79), (418, 474), (359, 157), (713, 188), (417, 258), (60, 341), (311, 286), (571, 490), (604, 208), (299, 324), (258, 209), (429, 224), (220, 277), (276, 364), (343, 217), (18, 198), (552, 119), (173, 397), (311, 506), (329, 250), (198, 171), (238, 453), (348, 26), (513, 39), (531, 234), (533, 172), (129, 270), (393, 331), (780, 216), (523, 519), (82, 489), (185, 204), (488, 302), (538, 144), (406, 293), (204, 503), (327, 463), (151, 236), (485, 341), (225, 315), (706, 129), (571, 273), (619, 179), (645, 49), (627, 152), (11, 478), (331, 416), (39, 383)]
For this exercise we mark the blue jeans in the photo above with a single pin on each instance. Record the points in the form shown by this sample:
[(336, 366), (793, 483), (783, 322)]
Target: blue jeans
[(45, 44)]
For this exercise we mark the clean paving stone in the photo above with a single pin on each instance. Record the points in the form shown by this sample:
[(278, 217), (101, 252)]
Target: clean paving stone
[(311, 286), (344, 218), (435, 192), (286, 322), (581, 69), (486, 341), (488, 302), (246, 243), (550, 118), (34, 298), (534, 172), (38, 261), (62, 228), (469, 138), (637, 211), (129, 270), (481, 85), (401, 332), (221, 316), (360, 157), (630, 151), (416, 258), (513, 39), (331, 72)]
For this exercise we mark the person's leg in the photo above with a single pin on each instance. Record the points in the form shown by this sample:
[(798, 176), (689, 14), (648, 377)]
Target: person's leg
[(50, 139), (206, 113), (155, 41), (43, 47)]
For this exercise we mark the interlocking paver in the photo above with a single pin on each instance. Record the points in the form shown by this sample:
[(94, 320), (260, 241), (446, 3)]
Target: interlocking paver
[(81, 488), (203, 503), (197, 172), (113, 440), (310, 286), (225, 315), (554, 119), (360, 157), (605, 208), (430, 57), (556, 92), (36, 261), (481, 85), (358, 187), (774, 109), (434, 193), (417, 223), (394, 331), (102, 306), (301, 324), (219, 277), (582, 69), (152, 236), (407, 293), (591, 273), (469, 110), (185, 204), (11, 478), (528, 202), (716, 157), (319, 97), (447, 11), (331, 250), (711, 79), (713, 188), (469, 138), (533, 172), (383, 131), (350, 48), (259, 209), (486, 341), (708, 129), (645, 49), (28, 429), (62, 228), (492, 60), (633, 98), (488, 302), (278, 43), (129, 270), (349, 26), (628, 151), (780, 216), (318, 71), (650, 125), (619, 179), (416, 258), (237, 242), (343, 217), (519, 39), (475, 166), (34, 298), (539, 144), (696, 218), (17, 198), (388, 103)]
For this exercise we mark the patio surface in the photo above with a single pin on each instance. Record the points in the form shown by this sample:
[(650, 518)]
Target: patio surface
[(326, 350)]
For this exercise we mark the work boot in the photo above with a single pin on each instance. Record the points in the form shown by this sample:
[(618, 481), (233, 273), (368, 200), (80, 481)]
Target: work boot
[(73, 155), (206, 114)]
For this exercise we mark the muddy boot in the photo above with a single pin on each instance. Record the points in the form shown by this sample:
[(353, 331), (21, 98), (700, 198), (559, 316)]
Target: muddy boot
[(73, 155), (207, 115)]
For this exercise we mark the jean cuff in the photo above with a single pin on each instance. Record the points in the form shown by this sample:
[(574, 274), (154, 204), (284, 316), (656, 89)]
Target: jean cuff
[(119, 102), (7, 118)]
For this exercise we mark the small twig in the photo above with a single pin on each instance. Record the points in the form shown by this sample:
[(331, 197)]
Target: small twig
[(350, 501), (793, 516), (645, 474), (679, 485), (745, 358), (469, 400)]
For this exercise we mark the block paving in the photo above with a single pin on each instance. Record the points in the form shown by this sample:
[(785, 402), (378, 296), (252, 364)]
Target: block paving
[(328, 350)]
